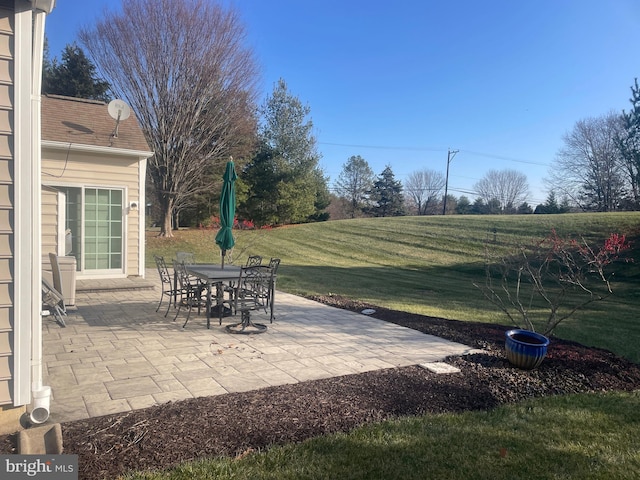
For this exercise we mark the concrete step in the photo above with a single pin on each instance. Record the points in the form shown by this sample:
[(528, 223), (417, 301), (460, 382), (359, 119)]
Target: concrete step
[(115, 284), (42, 440)]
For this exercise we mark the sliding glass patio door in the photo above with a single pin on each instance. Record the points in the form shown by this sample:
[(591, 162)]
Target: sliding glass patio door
[(94, 216), (102, 229)]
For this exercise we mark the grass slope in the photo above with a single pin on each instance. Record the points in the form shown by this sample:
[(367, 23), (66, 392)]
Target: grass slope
[(427, 265)]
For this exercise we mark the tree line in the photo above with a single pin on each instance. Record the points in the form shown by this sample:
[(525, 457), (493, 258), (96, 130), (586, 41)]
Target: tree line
[(598, 168), (191, 80), (360, 193)]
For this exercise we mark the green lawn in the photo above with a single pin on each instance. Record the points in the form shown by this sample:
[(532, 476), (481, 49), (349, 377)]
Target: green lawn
[(572, 437), (427, 265)]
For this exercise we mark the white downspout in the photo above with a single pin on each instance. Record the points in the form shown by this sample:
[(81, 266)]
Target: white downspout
[(41, 394), (23, 307)]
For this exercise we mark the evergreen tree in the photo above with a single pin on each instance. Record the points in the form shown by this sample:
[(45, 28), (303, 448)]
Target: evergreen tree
[(323, 197), (258, 184), (551, 205), (479, 207), (74, 76), (463, 206), (386, 195), (285, 183), (524, 208), (629, 144), (46, 62), (494, 206), (565, 206)]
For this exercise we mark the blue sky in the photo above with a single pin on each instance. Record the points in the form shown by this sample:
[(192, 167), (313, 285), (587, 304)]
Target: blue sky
[(399, 83)]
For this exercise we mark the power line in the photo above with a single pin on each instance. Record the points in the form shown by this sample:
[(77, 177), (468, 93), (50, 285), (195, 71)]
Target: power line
[(500, 157), (449, 158), (383, 147), (436, 149)]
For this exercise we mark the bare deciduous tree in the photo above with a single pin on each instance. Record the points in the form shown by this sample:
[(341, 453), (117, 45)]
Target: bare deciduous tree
[(508, 187), (354, 183), (184, 69), (588, 168), (424, 189)]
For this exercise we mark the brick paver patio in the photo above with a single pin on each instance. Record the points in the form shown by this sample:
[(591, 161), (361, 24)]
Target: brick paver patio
[(117, 354)]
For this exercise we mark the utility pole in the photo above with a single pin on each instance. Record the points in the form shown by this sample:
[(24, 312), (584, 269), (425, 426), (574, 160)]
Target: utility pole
[(450, 155)]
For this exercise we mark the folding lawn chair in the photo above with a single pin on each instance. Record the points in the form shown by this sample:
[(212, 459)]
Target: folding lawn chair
[(54, 301)]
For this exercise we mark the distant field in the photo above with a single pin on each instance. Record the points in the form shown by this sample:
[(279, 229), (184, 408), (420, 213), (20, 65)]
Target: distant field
[(428, 265)]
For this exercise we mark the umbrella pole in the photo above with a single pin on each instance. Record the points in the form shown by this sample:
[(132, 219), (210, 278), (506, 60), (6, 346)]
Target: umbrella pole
[(223, 254)]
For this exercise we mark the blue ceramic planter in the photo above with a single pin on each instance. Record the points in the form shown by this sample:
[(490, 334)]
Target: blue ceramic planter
[(525, 349)]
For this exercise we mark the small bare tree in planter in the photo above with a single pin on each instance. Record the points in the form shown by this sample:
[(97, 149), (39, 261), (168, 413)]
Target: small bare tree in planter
[(555, 275)]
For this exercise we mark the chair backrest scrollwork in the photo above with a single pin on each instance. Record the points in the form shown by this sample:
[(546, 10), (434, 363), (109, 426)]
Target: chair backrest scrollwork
[(274, 263), (163, 270), (254, 261)]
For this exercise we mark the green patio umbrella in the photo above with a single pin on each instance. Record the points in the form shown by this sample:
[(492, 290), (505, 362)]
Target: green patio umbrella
[(224, 238)]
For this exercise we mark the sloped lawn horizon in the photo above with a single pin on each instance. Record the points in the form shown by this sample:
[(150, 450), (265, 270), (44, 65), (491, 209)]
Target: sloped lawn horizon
[(428, 264)]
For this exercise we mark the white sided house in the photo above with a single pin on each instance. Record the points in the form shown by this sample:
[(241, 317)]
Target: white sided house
[(93, 196), (68, 185), (21, 45)]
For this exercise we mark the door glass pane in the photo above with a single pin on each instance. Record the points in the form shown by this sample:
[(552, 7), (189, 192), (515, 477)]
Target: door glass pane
[(116, 245), (90, 196), (102, 213), (90, 246), (102, 262)]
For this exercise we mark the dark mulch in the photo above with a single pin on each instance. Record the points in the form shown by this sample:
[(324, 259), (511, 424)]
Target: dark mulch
[(165, 435)]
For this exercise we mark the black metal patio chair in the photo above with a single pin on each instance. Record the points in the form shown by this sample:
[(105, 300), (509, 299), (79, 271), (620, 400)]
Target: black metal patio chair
[(193, 292), (251, 294), (168, 283), (188, 258), (274, 263)]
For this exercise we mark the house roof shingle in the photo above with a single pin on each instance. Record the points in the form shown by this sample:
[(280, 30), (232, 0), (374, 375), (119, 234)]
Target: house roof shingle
[(87, 122)]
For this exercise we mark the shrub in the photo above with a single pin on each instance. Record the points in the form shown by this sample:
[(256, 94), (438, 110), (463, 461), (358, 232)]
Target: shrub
[(555, 275)]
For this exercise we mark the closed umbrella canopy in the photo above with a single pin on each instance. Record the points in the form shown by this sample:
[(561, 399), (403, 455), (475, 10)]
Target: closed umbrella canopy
[(224, 238)]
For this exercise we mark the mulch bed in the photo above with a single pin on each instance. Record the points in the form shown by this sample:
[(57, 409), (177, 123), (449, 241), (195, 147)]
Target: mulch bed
[(165, 435)]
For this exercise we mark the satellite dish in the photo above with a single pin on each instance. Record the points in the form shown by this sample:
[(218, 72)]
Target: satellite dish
[(119, 110)]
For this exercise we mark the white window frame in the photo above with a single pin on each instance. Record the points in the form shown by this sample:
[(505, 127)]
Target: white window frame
[(82, 272), (61, 220)]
